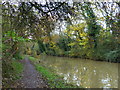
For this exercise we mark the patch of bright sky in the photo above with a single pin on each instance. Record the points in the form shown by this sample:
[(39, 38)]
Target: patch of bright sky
[(63, 24), (98, 14), (60, 26), (69, 1)]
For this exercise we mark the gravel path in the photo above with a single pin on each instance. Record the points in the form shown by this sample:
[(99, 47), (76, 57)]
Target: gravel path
[(30, 77)]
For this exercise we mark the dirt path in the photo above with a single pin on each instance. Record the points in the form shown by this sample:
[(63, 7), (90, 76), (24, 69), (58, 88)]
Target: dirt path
[(30, 78)]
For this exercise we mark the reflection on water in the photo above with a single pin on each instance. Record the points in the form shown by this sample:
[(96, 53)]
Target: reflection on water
[(87, 73)]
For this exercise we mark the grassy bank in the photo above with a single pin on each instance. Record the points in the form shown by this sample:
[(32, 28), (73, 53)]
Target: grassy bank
[(53, 80), (12, 73), (18, 68)]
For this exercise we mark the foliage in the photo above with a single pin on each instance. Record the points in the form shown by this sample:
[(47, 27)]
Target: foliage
[(11, 72), (113, 56)]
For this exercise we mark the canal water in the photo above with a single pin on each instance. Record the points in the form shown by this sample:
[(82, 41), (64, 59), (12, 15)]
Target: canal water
[(83, 72)]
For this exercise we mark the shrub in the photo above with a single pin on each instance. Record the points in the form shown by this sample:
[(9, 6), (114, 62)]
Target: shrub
[(113, 56)]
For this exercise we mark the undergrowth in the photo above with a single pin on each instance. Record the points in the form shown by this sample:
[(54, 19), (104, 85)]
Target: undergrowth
[(12, 73)]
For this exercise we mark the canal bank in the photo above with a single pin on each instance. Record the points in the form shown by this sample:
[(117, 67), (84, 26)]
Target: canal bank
[(53, 80), (83, 72)]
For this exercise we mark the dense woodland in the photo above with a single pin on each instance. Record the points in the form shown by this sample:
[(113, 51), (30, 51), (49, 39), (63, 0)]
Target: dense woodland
[(88, 30)]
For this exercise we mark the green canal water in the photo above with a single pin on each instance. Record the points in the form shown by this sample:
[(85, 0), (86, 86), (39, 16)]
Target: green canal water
[(87, 73)]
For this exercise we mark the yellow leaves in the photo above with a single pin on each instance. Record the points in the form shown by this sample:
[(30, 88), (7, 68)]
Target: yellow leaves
[(77, 39), (29, 51), (65, 31), (72, 44), (101, 18), (74, 28), (83, 34), (53, 45), (46, 39), (82, 43), (77, 27), (55, 37)]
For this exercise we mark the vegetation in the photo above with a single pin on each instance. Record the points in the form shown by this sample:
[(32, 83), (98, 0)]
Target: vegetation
[(12, 74), (77, 29)]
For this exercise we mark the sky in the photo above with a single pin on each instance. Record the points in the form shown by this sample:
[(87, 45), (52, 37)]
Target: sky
[(70, 2), (43, 1)]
